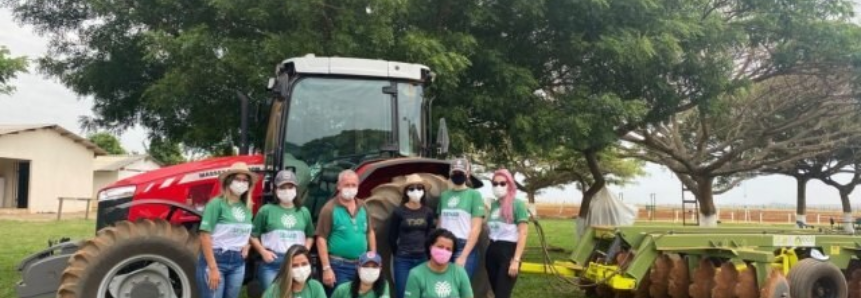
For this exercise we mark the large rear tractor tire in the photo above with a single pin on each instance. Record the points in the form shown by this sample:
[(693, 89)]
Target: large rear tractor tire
[(147, 258), (817, 279), (386, 197)]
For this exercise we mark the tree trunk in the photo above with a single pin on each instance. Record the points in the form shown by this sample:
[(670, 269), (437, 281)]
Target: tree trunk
[(705, 196), (530, 196), (801, 196), (591, 156), (848, 221)]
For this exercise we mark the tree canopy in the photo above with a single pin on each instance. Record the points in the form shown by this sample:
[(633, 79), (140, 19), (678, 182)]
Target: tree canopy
[(107, 141), (9, 69)]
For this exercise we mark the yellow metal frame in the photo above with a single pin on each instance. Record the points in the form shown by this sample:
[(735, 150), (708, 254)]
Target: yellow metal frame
[(566, 269), (609, 275), (785, 260)]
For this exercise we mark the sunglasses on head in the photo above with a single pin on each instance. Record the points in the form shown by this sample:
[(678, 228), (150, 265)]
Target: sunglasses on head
[(414, 188), (498, 183)]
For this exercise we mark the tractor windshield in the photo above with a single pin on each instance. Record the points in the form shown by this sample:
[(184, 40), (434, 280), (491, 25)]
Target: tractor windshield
[(350, 120)]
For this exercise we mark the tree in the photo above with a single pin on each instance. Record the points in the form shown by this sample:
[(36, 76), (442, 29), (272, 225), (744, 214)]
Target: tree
[(638, 63), (561, 167), (776, 123), (107, 141), (9, 68), (165, 152)]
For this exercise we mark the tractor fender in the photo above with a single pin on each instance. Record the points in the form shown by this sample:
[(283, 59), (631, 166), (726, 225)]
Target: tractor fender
[(41, 271), (374, 173)]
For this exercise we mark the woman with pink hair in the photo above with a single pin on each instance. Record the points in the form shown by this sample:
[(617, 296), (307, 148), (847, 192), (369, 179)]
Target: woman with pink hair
[(508, 228)]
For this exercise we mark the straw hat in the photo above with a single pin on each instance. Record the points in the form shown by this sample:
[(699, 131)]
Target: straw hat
[(413, 179), (238, 168)]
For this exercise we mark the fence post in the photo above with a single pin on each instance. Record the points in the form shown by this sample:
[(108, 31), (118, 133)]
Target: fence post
[(818, 219), (732, 216), (60, 209), (760, 216), (87, 213)]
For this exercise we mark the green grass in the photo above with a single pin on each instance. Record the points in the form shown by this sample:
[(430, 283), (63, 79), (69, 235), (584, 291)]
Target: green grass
[(20, 239)]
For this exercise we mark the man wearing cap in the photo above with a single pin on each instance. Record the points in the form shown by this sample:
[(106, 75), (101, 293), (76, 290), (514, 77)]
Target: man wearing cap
[(344, 232), (277, 227), (461, 210)]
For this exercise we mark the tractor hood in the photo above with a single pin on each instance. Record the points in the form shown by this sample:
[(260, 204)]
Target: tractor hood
[(190, 171)]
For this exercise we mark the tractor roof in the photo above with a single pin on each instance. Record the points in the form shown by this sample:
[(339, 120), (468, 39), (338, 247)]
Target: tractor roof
[(356, 67)]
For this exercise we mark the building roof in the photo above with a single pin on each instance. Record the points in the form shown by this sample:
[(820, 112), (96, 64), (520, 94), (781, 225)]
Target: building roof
[(16, 129), (111, 163)]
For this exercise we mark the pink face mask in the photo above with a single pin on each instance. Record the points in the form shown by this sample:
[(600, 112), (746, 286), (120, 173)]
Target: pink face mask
[(439, 255)]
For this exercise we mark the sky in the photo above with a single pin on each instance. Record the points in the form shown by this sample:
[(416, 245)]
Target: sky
[(41, 100)]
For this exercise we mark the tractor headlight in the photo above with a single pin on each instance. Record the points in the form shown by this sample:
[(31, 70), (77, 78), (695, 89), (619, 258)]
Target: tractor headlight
[(117, 193)]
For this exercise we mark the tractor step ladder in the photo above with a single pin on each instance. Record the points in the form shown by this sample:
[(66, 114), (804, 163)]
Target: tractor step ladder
[(692, 206)]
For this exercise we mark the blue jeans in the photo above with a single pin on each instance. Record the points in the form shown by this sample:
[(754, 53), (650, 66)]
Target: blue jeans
[(266, 272), (345, 272), (231, 265), (471, 259), (402, 265)]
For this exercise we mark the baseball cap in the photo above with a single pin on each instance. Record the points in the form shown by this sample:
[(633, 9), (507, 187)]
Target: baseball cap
[(370, 257), (285, 176), (460, 165)]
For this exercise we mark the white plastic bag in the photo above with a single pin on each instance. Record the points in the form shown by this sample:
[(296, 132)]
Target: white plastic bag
[(607, 210)]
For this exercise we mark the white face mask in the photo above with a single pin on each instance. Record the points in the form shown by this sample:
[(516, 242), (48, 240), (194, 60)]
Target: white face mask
[(349, 193), (369, 275), (238, 188), (500, 191), (286, 195), (415, 195), (301, 273)]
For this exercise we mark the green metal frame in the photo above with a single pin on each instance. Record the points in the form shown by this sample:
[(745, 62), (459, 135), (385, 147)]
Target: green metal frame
[(758, 247)]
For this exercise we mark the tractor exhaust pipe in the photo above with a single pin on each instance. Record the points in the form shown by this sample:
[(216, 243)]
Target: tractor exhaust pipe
[(243, 123)]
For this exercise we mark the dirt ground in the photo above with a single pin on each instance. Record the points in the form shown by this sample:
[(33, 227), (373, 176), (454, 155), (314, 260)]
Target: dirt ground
[(6, 214)]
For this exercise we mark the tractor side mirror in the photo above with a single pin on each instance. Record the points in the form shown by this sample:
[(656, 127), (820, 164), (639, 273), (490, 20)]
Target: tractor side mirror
[(442, 138)]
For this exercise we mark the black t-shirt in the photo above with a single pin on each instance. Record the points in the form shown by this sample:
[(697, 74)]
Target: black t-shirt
[(408, 230)]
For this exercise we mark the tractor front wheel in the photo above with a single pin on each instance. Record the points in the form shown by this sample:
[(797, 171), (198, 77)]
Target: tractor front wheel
[(147, 258)]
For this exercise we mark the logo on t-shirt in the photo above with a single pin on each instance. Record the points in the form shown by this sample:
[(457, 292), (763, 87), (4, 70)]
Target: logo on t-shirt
[(442, 289), (288, 220), (238, 213), (495, 214), (453, 202)]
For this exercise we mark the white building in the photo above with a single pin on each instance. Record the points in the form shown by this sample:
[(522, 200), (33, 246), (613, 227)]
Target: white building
[(111, 168), (41, 163)]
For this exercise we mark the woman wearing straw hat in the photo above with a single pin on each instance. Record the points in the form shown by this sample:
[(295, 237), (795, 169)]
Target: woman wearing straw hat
[(225, 230), (411, 223)]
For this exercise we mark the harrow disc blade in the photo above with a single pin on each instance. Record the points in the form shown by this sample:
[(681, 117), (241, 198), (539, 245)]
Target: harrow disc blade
[(746, 287), (703, 280), (659, 276), (725, 281), (680, 279), (776, 286)]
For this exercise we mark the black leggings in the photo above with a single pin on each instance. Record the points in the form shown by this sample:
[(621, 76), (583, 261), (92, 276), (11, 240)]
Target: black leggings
[(498, 259)]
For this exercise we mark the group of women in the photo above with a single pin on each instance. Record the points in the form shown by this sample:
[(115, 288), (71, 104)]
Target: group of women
[(434, 251)]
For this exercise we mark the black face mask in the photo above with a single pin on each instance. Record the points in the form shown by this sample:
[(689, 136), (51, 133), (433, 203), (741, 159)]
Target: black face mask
[(458, 179)]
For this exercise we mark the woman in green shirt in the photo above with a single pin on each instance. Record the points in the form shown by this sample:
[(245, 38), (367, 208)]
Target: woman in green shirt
[(367, 283), (438, 278), (224, 232), (508, 223), (293, 275), (277, 227)]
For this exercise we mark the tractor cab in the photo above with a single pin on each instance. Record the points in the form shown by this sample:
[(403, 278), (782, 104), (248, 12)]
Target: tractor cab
[(332, 114)]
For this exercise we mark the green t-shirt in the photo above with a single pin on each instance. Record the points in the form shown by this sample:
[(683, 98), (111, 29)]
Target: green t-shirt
[(312, 289), (425, 283), (229, 224), (279, 228), (457, 208), (501, 230), (343, 291), (349, 236)]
